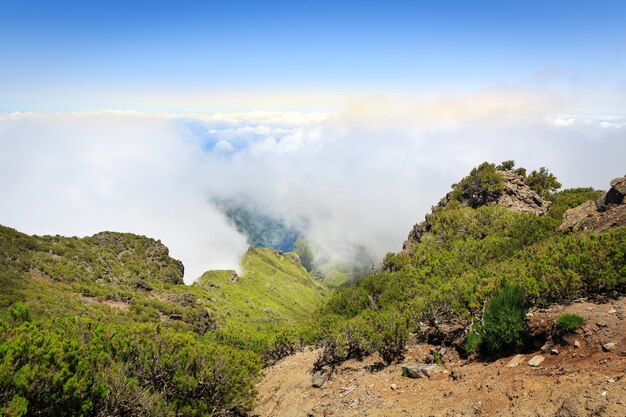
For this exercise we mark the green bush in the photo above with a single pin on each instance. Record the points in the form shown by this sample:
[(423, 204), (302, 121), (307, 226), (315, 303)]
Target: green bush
[(393, 330), (19, 312), (568, 323), (77, 366), (480, 185), (504, 324), (473, 341)]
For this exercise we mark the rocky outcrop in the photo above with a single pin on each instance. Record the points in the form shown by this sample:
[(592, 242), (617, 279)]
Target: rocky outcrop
[(514, 194), (518, 196), (609, 211)]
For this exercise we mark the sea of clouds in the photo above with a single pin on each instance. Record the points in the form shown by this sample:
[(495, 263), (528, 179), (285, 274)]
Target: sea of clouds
[(355, 179)]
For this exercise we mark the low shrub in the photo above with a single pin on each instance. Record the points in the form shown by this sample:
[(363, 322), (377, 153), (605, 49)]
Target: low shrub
[(568, 323), (473, 341), (504, 325)]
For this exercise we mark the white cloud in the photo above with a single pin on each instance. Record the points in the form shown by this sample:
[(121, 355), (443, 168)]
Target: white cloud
[(359, 178)]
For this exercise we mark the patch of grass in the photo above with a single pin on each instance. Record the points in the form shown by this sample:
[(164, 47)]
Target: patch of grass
[(473, 341), (568, 323)]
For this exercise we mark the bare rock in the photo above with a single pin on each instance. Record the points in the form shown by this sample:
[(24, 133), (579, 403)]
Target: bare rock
[(518, 196), (536, 360), (574, 218), (615, 195), (608, 212), (419, 370), (319, 378), (515, 361), (608, 347), (143, 284)]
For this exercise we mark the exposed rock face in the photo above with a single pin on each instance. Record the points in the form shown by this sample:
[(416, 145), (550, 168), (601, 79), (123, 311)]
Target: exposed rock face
[(518, 196), (615, 196), (514, 195), (609, 211)]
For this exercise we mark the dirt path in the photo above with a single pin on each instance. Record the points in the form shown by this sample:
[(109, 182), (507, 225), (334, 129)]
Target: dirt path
[(578, 381)]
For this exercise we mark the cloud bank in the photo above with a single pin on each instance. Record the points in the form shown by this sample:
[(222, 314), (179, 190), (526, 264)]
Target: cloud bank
[(357, 180)]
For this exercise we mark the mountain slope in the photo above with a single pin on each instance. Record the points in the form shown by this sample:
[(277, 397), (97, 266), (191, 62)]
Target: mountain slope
[(465, 253), (104, 325), (274, 289)]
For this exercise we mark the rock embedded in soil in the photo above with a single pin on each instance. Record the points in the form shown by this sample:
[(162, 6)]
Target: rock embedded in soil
[(607, 347), (318, 379), (419, 370), (536, 360), (515, 361)]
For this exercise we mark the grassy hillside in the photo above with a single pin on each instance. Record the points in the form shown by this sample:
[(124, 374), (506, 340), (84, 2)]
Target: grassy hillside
[(274, 289), (104, 325)]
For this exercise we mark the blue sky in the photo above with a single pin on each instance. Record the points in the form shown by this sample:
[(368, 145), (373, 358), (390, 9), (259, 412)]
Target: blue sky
[(188, 56)]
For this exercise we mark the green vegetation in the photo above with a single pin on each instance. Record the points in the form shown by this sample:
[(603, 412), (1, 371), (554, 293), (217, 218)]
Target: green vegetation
[(473, 341), (479, 186), (473, 260), (504, 319), (543, 182), (568, 323), (80, 366), (103, 325)]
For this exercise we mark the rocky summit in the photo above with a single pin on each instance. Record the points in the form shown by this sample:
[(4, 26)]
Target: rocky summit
[(512, 192)]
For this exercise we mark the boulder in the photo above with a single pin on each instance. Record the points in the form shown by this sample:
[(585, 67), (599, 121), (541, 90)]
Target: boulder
[(608, 212), (574, 218), (615, 195)]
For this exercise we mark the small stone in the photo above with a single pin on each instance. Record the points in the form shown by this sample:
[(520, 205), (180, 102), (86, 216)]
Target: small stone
[(607, 347), (547, 346), (394, 387), (610, 380), (536, 360), (576, 344), (318, 379), (515, 360), (612, 311), (554, 352), (601, 323), (604, 393)]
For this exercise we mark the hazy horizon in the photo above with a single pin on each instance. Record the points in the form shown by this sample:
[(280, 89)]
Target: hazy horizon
[(352, 119)]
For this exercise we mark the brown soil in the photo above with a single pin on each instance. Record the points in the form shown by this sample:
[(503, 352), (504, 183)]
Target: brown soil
[(578, 381)]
